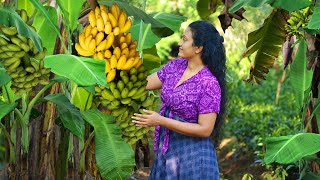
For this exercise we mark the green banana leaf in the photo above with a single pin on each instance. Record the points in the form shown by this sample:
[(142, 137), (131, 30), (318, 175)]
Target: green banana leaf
[(71, 9), (267, 41), (26, 5), (315, 19), (43, 28), (300, 77), (8, 94), (69, 115), (114, 157), (4, 77), (148, 39), (289, 149), (151, 59), (9, 17), (290, 5), (37, 4), (82, 71), (158, 28), (6, 108), (207, 7), (316, 111), (81, 98)]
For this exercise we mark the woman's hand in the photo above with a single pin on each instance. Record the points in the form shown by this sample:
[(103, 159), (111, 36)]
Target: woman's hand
[(151, 118)]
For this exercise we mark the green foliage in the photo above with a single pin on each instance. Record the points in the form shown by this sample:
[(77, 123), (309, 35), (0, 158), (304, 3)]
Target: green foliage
[(300, 77), (71, 9), (4, 77), (26, 5), (315, 19), (114, 157), (43, 28), (82, 71), (69, 115), (10, 18), (289, 149), (6, 108)]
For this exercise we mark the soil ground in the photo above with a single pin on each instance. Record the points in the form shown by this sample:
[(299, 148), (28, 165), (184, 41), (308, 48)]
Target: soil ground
[(230, 168)]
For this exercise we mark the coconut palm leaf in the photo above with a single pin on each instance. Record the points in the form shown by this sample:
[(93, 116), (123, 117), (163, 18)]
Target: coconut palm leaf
[(289, 149), (114, 157), (267, 42)]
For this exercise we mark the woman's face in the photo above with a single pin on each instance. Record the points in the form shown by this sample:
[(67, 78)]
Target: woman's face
[(186, 49)]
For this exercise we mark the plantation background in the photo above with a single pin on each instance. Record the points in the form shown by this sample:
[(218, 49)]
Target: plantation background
[(254, 111)]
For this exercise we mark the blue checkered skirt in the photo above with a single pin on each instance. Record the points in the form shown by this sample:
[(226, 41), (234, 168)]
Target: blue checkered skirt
[(188, 158)]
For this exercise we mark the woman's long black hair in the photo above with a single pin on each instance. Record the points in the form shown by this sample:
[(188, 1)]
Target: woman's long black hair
[(213, 55)]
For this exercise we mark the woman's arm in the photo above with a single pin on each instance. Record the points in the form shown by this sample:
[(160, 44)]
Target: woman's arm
[(203, 128), (153, 82)]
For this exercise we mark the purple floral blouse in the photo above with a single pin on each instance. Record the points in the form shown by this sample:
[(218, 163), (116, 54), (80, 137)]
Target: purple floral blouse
[(200, 94)]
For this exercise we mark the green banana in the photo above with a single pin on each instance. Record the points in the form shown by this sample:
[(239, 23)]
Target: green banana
[(9, 30), (129, 85), (133, 78), (13, 47), (133, 92), (3, 41), (116, 93), (107, 94), (124, 93), (14, 65), (126, 101), (133, 71), (22, 38), (117, 112), (112, 86), (120, 85)]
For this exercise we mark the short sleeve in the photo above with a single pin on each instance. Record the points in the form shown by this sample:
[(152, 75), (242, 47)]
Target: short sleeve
[(166, 69), (209, 100)]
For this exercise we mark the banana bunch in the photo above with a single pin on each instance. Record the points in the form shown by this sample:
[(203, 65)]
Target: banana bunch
[(23, 62), (298, 19), (124, 97)]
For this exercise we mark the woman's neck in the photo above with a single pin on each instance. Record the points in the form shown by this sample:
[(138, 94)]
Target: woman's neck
[(195, 65)]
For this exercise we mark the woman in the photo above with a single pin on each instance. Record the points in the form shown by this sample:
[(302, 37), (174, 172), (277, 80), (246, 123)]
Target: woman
[(193, 96)]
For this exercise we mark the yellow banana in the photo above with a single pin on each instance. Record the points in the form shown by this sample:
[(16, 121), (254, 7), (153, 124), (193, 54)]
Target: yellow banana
[(94, 31), (136, 61), (100, 24), (132, 52), (103, 8), (110, 40), (114, 12), (138, 64), (112, 20), (100, 55), (128, 64), (125, 51), (116, 31), (104, 16), (107, 54), (82, 39), (87, 41), (121, 62), (97, 11), (117, 52), (92, 19), (95, 56), (111, 75), (123, 46), (108, 28), (87, 30), (122, 19), (126, 26), (102, 46), (108, 67), (113, 62), (92, 45), (122, 39), (82, 51), (99, 37), (128, 38)]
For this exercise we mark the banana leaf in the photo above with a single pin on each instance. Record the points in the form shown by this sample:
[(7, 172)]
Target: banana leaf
[(157, 27), (9, 17), (4, 77), (311, 176), (8, 94), (71, 10), (114, 157), (37, 4), (289, 149), (69, 114), (315, 19), (290, 6), (300, 77), (26, 5), (6, 108), (43, 28), (267, 42), (207, 7), (151, 59), (81, 98), (82, 71)]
